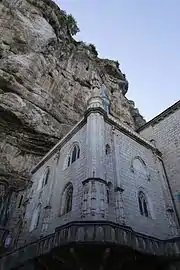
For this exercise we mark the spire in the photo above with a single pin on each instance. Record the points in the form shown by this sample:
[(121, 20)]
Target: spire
[(95, 85), (95, 100), (105, 99)]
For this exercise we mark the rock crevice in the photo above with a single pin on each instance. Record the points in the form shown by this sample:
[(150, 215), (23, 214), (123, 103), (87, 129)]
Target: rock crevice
[(45, 82)]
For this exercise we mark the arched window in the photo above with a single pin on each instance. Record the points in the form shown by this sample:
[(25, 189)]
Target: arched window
[(143, 204), (107, 191), (35, 218), (108, 149), (74, 155), (40, 183), (67, 199), (44, 179), (46, 175), (20, 201)]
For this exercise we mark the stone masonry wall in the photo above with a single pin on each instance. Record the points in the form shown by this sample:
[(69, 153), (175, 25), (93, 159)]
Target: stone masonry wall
[(166, 134), (125, 150), (123, 184), (50, 195)]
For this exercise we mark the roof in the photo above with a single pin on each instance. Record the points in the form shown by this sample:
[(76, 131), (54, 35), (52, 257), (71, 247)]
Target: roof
[(58, 146), (109, 119), (161, 116)]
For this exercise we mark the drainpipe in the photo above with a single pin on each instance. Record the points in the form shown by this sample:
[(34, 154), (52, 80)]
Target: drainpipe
[(170, 190)]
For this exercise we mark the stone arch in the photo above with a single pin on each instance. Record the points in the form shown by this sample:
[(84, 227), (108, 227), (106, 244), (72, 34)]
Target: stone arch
[(138, 165)]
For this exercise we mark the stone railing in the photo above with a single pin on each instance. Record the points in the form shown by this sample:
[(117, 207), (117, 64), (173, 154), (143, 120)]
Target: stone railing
[(91, 232)]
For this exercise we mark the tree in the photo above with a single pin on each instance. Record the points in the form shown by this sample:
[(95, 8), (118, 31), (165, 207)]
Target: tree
[(72, 25)]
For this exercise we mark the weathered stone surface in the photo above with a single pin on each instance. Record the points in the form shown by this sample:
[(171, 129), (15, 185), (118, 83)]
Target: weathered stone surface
[(45, 81)]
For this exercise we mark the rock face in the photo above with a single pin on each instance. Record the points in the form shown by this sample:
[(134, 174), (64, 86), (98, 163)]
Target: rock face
[(45, 81)]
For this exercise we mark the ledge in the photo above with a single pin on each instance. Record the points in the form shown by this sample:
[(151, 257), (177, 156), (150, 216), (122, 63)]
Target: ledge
[(97, 232)]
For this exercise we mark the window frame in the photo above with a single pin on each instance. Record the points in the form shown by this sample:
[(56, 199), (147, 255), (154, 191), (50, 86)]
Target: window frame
[(65, 208), (37, 211), (143, 204), (107, 149), (71, 158), (43, 181)]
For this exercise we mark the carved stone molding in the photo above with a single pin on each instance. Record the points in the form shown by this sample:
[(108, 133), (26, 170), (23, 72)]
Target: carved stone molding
[(95, 199), (98, 233)]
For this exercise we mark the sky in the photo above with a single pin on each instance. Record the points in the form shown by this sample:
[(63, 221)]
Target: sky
[(144, 36)]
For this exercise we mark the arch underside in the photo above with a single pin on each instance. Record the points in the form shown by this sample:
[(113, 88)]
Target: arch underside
[(93, 245), (95, 257)]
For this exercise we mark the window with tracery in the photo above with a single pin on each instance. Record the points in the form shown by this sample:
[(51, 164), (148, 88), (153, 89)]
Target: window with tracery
[(74, 155), (44, 179), (143, 204), (67, 199), (139, 166), (35, 218)]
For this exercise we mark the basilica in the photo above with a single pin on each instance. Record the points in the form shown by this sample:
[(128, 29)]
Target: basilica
[(105, 197)]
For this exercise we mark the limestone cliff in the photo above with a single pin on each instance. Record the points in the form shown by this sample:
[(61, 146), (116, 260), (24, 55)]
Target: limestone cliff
[(45, 81)]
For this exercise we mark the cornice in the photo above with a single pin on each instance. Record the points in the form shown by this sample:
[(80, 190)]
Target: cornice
[(108, 119), (161, 116)]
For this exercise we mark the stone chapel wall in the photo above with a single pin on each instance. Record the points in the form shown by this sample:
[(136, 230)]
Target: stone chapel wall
[(132, 181), (50, 195), (166, 134)]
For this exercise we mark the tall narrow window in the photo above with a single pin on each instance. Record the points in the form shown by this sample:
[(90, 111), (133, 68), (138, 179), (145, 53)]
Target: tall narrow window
[(74, 155), (67, 199), (46, 175), (69, 161), (20, 201), (35, 218), (143, 204), (68, 202), (107, 195), (40, 183), (44, 179), (108, 149), (78, 153)]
